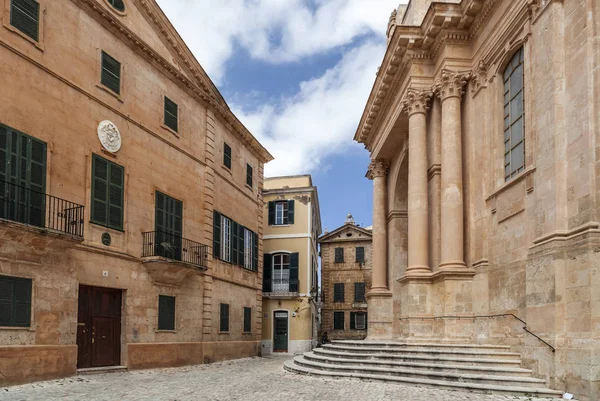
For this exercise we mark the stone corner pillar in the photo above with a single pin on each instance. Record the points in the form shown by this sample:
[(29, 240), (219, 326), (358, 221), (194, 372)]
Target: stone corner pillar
[(379, 297)]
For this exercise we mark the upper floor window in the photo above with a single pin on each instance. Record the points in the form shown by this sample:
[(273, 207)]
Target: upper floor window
[(514, 127), (227, 156), (281, 212), (249, 175), (248, 249), (108, 189), (171, 114), (360, 254), (339, 255), (117, 4), (226, 239), (234, 243), (111, 73), (25, 16), (338, 292)]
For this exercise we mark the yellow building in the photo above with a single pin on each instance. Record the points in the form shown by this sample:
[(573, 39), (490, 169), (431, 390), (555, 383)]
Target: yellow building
[(290, 282)]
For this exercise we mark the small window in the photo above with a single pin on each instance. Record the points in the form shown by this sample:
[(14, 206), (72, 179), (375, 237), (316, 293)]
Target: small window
[(359, 292), (111, 73), (227, 156), (360, 254), (171, 114), (15, 302), (249, 175), (338, 292), (514, 117), (117, 5), (107, 193), (247, 320), (338, 320), (358, 320), (339, 255), (25, 16), (281, 212), (248, 261), (224, 318), (166, 312)]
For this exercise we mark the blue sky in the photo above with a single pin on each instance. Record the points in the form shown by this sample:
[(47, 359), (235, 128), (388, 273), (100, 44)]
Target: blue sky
[(297, 73)]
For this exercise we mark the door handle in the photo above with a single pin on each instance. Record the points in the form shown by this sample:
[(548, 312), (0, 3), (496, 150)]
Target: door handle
[(103, 337)]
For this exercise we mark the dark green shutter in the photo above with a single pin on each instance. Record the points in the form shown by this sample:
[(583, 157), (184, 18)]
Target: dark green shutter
[(235, 240), (290, 212), (108, 184), (111, 73), (227, 156), (267, 272), (247, 320), (15, 301), (359, 292), (339, 255), (224, 318), (115, 196), (249, 175), (352, 320), (166, 312), (216, 234), (360, 254), (171, 114), (241, 245), (168, 226), (271, 213), (294, 261), (338, 292), (255, 252), (25, 16)]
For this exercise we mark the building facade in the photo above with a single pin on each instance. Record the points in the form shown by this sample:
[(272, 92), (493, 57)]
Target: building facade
[(122, 175), (482, 126), (346, 277), (292, 225)]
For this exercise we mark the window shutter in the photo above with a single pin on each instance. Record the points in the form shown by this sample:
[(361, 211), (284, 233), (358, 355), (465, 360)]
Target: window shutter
[(352, 321), (255, 252), (99, 190), (338, 292), (25, 15), (171, 114), (111, 73), (15, 301), (339, 255), (267, 272), (247, 320), (224, 318), (108, 188), (249, 175), (234, 242), (360, 254), (359, 292), (271, 213), (216, 234), (115, 196), (290, 212), (166, 312), (241, 245), (227, 156), (294, 285)]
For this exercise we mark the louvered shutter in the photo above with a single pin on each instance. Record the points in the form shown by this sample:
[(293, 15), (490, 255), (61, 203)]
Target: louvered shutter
[(247, 320), (294, 260), (25, 16), (241, 245), (166, 312), (111, 73), (339, 255), (360, 254), (255, 252), (100, 190), (224, 318), (352, 321), (216, 234), (115, 198), (267, 272), (227, 156), (235, 243), (7, 296), (271, 213), (290, 212), (171, 114), (15, 301)]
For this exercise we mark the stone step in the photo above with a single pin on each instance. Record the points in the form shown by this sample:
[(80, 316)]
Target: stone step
[(292, 366), (459, 360), (420, 373), (432, 352), (489, 369), (101, 370), (420, 345)]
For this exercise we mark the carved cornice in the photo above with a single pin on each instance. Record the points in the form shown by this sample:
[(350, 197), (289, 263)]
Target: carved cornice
[(451, 83), (478, 77), (377, 168), (416, 101)]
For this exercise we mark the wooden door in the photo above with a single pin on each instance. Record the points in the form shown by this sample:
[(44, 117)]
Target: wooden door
[(98, 327), (280, 332)]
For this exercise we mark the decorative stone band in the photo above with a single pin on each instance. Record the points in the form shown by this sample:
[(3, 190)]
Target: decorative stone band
[(416, 101), (377, 168), (451, 83)]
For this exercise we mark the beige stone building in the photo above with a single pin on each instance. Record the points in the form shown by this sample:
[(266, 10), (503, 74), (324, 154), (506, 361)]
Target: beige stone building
[(292, 225), (345, 277), (131, 196), (483, 128)]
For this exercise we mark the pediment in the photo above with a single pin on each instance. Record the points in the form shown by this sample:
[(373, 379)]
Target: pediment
[(348, 232)]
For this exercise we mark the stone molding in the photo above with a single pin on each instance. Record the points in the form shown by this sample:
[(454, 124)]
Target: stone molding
[(451, 84), (377, 168), (417, 101)]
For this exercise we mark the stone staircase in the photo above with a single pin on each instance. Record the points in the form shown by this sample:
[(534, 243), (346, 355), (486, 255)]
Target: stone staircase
[(466, 367)]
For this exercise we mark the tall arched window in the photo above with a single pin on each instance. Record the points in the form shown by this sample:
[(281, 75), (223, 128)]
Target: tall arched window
[(514, 126), (281, 272)]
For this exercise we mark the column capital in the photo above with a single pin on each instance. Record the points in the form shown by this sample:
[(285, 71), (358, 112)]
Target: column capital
[(451, 83), (416, 101), (377, 168)]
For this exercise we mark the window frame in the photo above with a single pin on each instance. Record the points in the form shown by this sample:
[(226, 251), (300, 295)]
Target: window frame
[(8, 23), (226, 238), (336, 320), (221, 318), (247, 263), (118, 93), (93, 188), (114, 7), (354, 317), (174, 322), (281, 213), (510, 98), (247, 330)]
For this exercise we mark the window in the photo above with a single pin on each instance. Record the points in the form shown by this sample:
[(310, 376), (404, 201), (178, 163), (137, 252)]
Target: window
[(248, 249), (249, 175), (227, 156), (360, 254), (15, 302), (171, 114), (111, 73), (514, 127), (166, 312), (224, 318), (359, 292), (168, 220), (107, 193), (358, 320), (339, 255), (338, 320), (226, 239), (117, 5), (234, 243), (281, 272), (25, 16), (281, 212), (338, 292), (247, 320)]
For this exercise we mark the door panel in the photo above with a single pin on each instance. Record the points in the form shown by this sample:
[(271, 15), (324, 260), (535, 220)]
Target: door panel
[(280, 332), (103, 341)]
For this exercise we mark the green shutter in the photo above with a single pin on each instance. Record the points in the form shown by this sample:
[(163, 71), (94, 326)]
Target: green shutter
[(111, 73), (166, 312), (25, 16), (339, 255), (216, 234), (291, 212), (227, 156), (294, 261), (241, 245), (338, 292), (352, 320), (168, 226), (267, 272), (108, 184), (15, 301), (247, 320), (171, 114), (360, 254), (255, 252), (224, 318), (271, 213), (249, 175), (235, 243), (359, 292)]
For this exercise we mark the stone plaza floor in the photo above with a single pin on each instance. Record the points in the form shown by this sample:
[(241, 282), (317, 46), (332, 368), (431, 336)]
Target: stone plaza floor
[(252, 379)]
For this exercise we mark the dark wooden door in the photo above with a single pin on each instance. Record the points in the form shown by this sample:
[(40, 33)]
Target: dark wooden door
[(280, 332), (98, 327)]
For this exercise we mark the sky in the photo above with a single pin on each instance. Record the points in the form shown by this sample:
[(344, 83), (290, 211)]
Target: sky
[(297, 73)]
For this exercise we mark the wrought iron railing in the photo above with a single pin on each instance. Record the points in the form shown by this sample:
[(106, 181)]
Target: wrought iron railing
[(280, 285), (174, 247), (24, 205)]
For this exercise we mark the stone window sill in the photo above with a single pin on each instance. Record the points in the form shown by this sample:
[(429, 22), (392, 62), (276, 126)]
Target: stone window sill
[(16, 328), (38, 44), (223, 332), (165, 331), (171, 130), (520, 177), (110, 92), (224, 167)]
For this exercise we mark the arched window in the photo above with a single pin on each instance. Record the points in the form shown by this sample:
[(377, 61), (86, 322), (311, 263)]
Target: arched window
[(117, 5), (514, 124), (281, 272)]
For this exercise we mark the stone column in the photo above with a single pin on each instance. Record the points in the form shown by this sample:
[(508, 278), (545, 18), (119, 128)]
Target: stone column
[(416, 104), (450, 89)]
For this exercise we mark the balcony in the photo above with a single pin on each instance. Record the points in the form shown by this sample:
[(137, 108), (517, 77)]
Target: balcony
[(171, 259), (280, 288), (32, 213)]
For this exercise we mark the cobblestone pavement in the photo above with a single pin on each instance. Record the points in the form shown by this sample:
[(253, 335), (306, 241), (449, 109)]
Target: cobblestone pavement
[(253, 379)]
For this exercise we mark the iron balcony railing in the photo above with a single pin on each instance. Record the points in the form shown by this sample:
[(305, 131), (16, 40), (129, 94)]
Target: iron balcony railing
[(280, 285), (24, 205), (174, 247)]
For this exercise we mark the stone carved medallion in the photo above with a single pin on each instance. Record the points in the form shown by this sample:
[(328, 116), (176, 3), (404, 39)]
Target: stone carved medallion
[(109, 136)]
